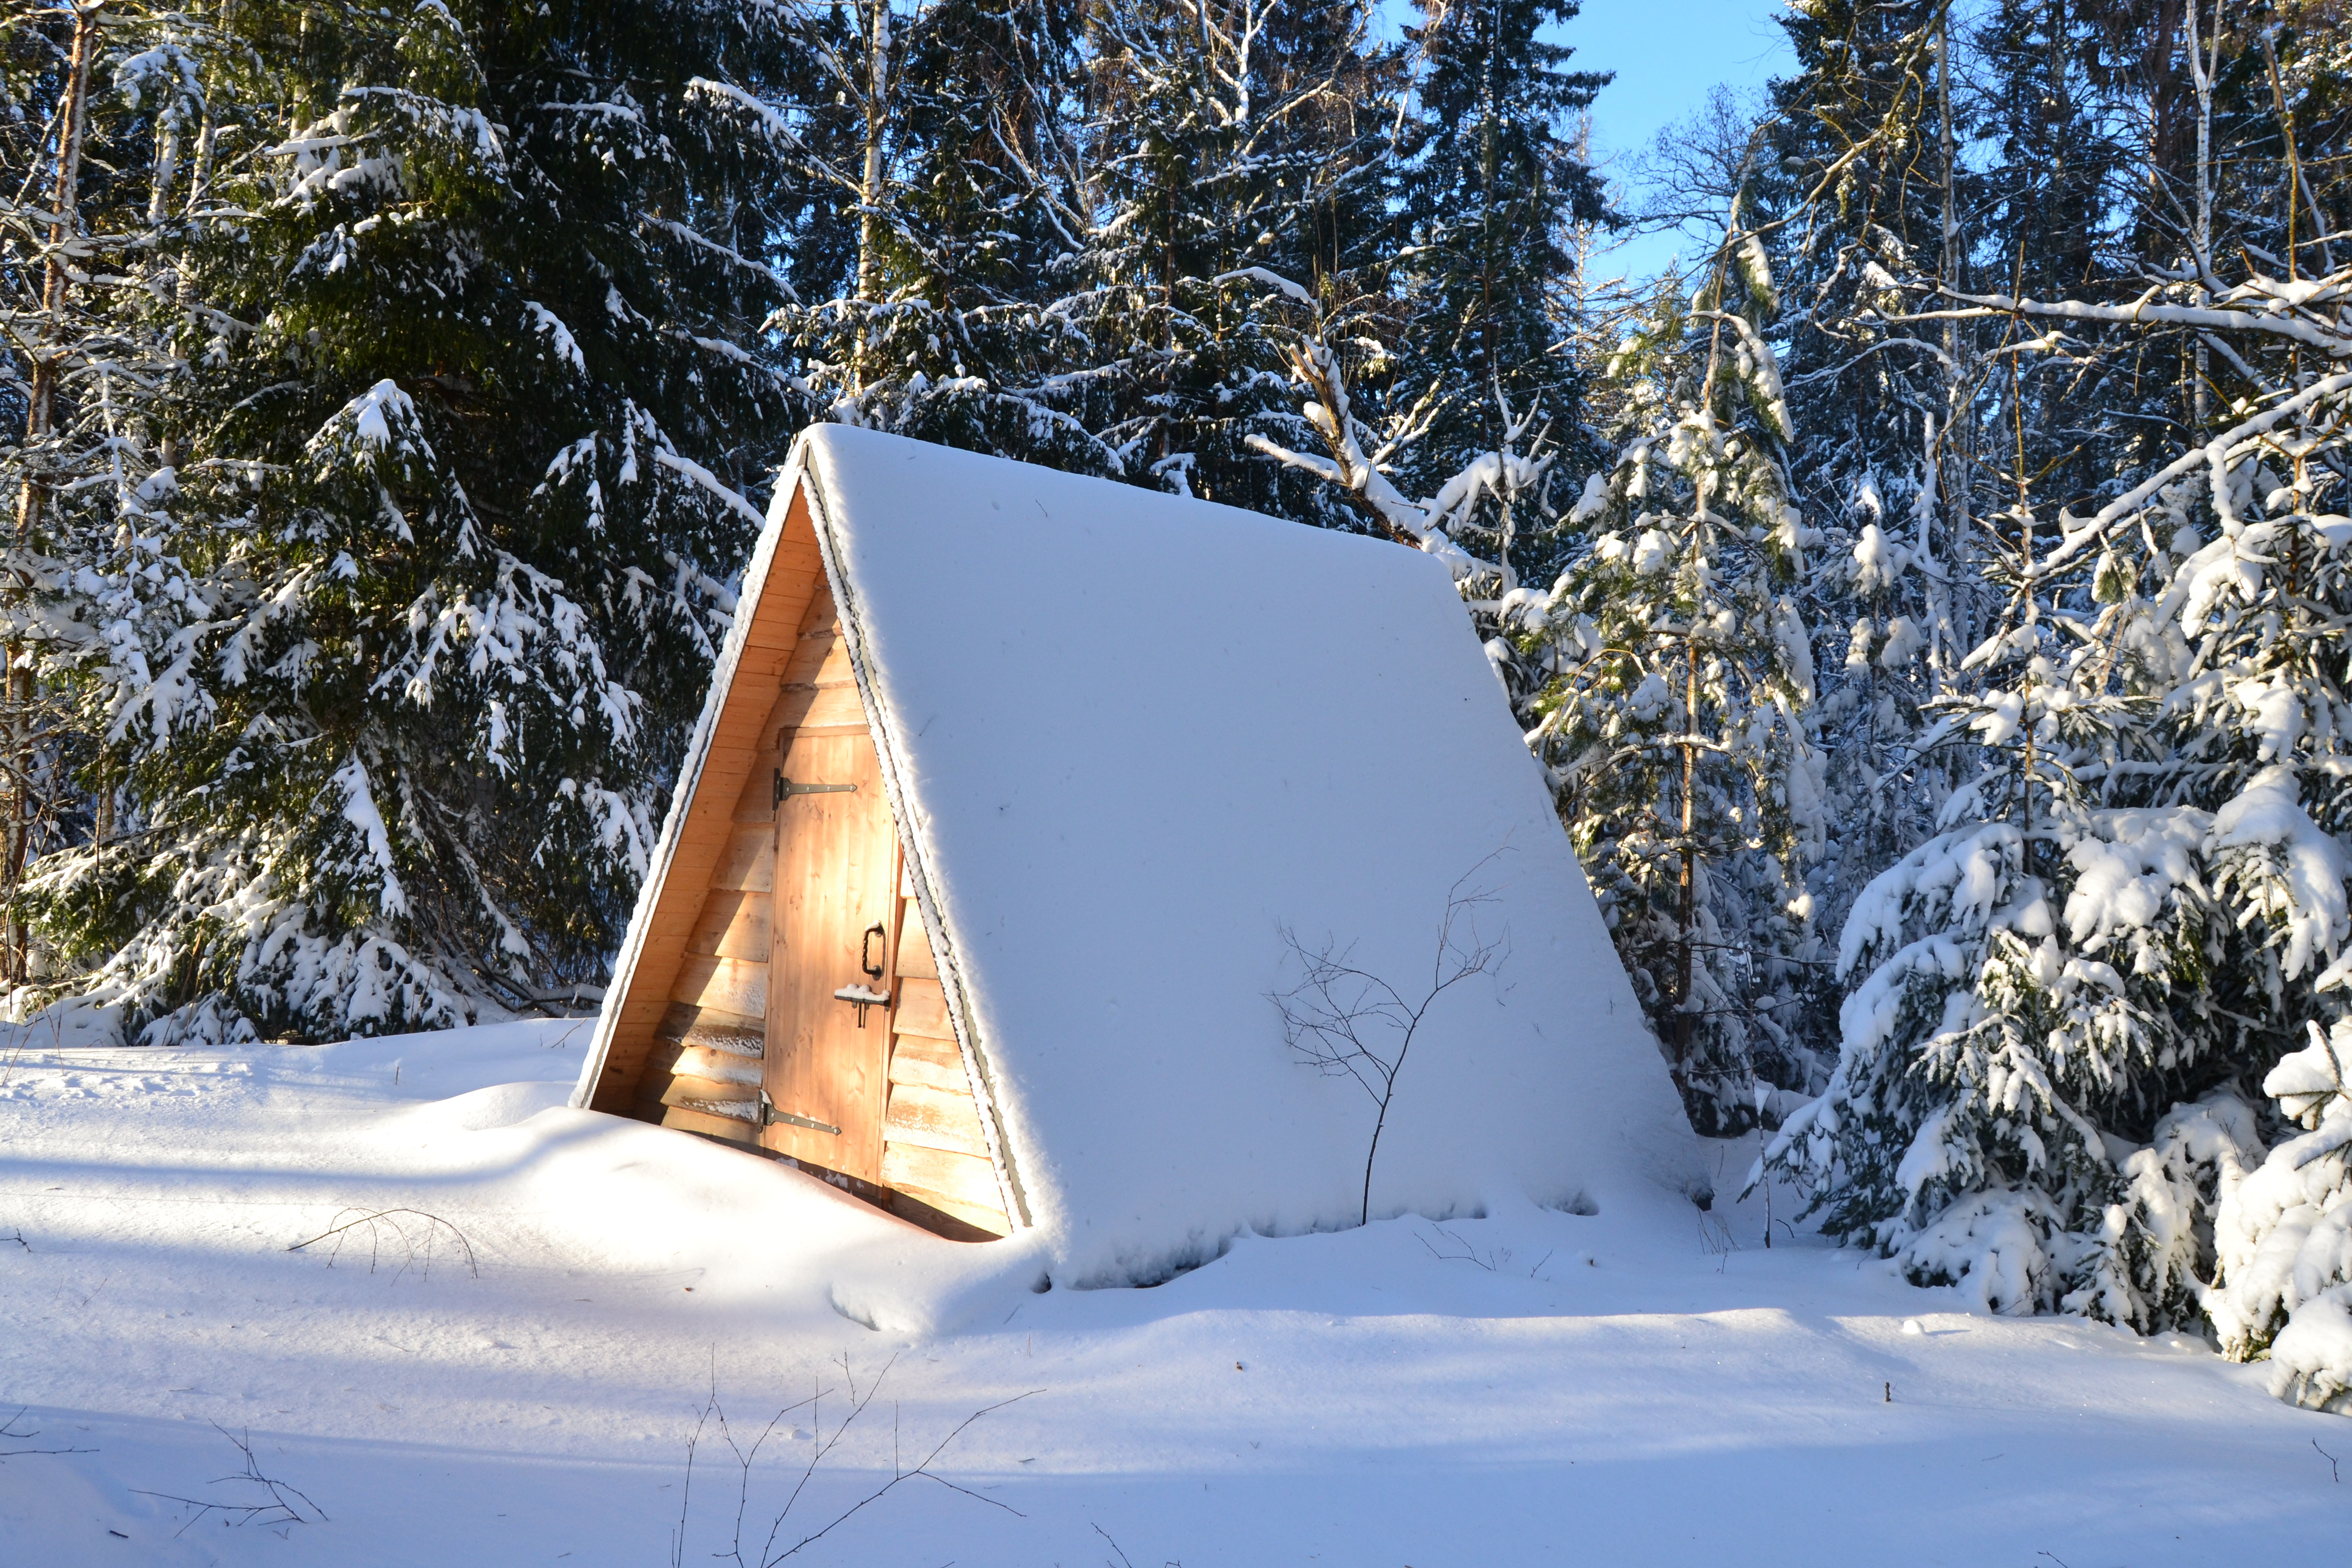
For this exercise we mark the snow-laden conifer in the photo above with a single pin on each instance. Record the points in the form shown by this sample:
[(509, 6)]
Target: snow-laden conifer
[(1492, 185), (2064, 1003), (2283, 1234), (1675, 716), (948, 130), (2069, 1002), (394, 613)]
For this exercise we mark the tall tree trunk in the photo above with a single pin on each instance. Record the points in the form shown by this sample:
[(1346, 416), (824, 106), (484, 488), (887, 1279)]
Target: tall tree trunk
[(2203, 61), (33, 497), (1950, 451), (869, 195), (1686, 915), (870, 187)]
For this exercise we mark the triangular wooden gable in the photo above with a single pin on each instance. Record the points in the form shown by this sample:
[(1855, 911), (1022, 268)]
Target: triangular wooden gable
[(686, 1037)]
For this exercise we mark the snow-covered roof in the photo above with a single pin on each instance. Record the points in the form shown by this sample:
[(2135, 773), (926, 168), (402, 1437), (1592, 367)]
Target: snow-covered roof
[(1131, 740)]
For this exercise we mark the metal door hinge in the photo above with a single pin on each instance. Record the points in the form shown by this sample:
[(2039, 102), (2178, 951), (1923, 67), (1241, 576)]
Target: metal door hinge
[(770, 1116), (785, 786)]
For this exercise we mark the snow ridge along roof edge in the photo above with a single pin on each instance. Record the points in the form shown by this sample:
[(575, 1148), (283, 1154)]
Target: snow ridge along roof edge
[(882, 722)]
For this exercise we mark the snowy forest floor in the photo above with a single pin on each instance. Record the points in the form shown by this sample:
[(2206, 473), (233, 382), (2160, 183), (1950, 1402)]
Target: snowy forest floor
[(1528, 1387)]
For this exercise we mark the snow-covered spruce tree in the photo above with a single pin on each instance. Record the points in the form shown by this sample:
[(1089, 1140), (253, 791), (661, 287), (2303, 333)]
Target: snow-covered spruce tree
[(1241, 158), (1491, 189), (1676, 721), (1070, 216), (957, 330), (2282, 1233), (105, 108), (2087, 1007), (2067, 1004), (2256, 716), (1850, 167), (392, 650), (2266, 699), (1861, 161), (1091, 239), (946, 129)]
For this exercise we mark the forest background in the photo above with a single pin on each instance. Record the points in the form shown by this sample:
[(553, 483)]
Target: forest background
[(1926, 603)]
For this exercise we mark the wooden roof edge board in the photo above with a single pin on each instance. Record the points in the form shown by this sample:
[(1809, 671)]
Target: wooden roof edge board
[(882, 723), (611, 1018)]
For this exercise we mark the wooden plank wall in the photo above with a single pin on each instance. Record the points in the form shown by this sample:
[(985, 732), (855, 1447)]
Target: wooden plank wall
[(714, 1032), (932, 1148), (713, 848), (698, 1066)]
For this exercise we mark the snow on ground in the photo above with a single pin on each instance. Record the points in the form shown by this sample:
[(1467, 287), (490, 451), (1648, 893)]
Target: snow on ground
[(1532, 1387)]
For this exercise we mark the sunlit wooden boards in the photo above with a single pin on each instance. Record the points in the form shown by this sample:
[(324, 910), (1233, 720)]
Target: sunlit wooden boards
[(730, 1027), (710, 848), (835, 870), (897, 1089), (932, 1146)]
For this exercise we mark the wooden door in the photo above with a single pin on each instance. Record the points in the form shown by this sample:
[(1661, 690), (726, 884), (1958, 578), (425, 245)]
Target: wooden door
[(836, 874)]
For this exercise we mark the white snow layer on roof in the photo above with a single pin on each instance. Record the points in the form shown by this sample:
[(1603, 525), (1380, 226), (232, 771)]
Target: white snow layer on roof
[(1136, 739)]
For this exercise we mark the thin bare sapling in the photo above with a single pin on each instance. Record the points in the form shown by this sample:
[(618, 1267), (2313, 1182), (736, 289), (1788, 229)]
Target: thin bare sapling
[(1348, 1022), (779, 1543)]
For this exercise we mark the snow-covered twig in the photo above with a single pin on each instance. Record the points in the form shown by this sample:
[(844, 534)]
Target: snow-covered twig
[(378, 1220), (280, 1502)]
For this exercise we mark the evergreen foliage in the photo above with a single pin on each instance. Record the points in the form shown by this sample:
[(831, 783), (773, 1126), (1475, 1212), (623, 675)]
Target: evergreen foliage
[(1491, 190), (1858, 177), (418, 524), (1676, 720), (2087, 1052)]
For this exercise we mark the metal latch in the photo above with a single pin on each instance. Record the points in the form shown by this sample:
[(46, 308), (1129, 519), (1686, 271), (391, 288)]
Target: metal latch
[(862, 998), (785, 786), (770, 1116)]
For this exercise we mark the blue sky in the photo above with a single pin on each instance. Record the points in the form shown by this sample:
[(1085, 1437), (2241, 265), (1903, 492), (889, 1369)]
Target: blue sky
[(1667, 54)]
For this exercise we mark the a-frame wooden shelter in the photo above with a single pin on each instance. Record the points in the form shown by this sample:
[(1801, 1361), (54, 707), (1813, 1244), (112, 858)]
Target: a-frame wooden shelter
[(975, 886)]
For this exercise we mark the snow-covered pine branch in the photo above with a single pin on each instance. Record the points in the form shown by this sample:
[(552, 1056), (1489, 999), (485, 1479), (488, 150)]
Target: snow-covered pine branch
[(1503, 476)]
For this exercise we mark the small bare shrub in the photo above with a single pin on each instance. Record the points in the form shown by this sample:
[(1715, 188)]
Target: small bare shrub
[(1348, 1022), (412, 1234), (779, 1543), (269, 1501)]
